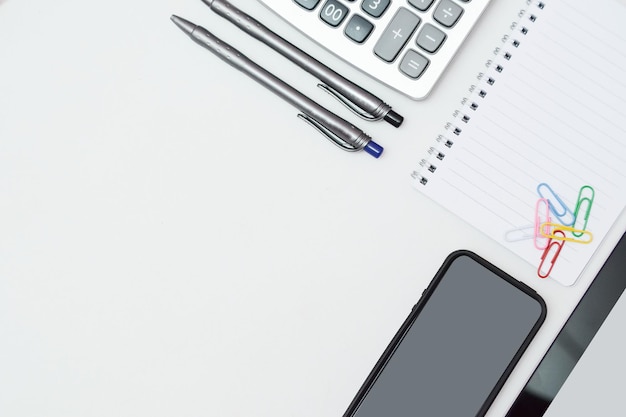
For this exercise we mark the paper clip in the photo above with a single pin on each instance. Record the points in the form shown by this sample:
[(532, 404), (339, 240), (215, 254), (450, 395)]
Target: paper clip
[(542, 215), (588, 235), (557, 206), (585, 201), (554, 250), (520, 233)]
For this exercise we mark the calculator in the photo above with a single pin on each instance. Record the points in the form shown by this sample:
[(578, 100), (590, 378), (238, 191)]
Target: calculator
[(405, 44)]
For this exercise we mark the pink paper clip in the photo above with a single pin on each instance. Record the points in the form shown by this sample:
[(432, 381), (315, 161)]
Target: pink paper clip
[(551, 254), (542, 215)]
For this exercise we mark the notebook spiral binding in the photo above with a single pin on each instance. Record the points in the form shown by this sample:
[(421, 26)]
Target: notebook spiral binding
[(445, 142)]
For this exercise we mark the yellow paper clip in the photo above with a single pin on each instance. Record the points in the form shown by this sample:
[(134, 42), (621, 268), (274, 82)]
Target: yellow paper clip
[(554, 250), (586, 236)]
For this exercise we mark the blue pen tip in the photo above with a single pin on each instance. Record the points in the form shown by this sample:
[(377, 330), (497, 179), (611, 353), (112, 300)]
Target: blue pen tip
[(373, 149)]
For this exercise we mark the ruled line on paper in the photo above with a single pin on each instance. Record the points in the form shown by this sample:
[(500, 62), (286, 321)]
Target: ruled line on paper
[(553, 133), (479, 203)]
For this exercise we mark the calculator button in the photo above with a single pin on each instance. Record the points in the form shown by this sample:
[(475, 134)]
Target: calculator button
[(448, 13), (430, 38), (358, 29), (396, 34), (421, 5), (308, 4), (413, 64), (333, 13), (375, 8)]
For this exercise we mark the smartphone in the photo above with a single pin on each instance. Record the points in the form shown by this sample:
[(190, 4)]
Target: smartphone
[(456, 348)]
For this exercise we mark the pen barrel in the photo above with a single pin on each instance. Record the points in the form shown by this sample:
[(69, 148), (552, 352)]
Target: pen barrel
[(343, 129), (355, 94)]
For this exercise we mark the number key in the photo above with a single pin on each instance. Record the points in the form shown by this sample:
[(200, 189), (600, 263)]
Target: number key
[(333, 13), (375, 8)]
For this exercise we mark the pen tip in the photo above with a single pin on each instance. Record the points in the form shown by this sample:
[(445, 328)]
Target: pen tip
[(184, 25)]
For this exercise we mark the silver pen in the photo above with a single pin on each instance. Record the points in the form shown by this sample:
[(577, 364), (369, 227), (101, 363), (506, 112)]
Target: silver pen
[(357, 99), (337, 130)]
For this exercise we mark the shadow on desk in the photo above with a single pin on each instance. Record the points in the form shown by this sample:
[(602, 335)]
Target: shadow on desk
[(574, 338)]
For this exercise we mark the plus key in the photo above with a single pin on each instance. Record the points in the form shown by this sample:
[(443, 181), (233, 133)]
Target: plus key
[(396, 34)]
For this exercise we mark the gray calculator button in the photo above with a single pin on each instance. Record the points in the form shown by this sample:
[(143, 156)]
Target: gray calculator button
[(430, 38), (375, 8), (396, 34), (308, 4), (358, 29), (422, 5), (413, 64), (333, 12), (448, 13)]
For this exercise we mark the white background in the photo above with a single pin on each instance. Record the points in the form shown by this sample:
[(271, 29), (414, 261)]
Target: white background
[(175, 241)]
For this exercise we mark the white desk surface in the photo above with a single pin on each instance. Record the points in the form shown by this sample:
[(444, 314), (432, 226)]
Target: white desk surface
[(175, 241)]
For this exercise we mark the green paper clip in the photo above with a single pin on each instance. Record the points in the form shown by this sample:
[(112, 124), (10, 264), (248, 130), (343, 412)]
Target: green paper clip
[(585, 201)]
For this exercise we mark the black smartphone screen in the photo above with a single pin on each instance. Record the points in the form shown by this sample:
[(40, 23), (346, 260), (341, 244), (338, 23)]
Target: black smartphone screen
[(456, 348)]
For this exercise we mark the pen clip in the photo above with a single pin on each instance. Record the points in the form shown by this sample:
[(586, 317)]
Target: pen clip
[(329, 134), (350, 105)]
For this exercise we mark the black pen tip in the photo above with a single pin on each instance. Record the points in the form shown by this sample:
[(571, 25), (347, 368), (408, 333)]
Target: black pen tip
[(184, 25), (394, 118)]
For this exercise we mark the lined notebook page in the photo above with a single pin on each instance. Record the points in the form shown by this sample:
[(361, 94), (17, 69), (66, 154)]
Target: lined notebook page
[(552, 113)]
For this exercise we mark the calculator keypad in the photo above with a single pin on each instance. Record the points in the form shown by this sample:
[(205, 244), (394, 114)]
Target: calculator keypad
[(405, 43)]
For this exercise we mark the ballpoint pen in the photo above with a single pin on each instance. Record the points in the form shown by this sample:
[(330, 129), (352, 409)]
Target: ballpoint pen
[(357, 99), (337, 130)]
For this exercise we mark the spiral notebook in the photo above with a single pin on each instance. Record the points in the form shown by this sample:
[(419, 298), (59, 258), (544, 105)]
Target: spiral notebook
[(535, 156)]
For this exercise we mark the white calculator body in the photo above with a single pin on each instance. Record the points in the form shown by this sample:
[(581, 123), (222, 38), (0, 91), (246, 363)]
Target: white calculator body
[(406, 44)]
